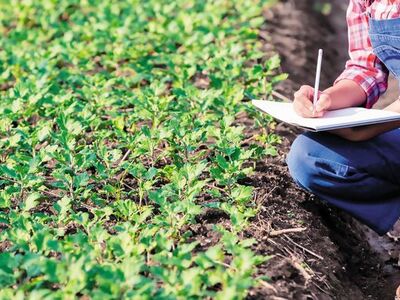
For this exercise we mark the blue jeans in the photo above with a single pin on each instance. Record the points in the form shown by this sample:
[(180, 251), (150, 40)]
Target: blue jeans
[(362, 178)]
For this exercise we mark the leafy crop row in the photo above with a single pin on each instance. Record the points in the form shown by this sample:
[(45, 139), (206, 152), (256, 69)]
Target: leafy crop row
[(118, 128)]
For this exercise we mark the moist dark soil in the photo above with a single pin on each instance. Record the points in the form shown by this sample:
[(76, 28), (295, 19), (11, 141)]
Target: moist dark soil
[(325, 254)]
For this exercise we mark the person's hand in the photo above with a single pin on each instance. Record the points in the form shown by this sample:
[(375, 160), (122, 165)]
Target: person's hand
[(303, 102)]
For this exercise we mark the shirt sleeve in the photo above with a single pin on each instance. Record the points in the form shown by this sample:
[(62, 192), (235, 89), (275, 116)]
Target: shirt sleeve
[(363, 67)]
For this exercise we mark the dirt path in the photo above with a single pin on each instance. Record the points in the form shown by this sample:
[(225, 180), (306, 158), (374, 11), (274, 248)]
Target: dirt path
[(335, 257)]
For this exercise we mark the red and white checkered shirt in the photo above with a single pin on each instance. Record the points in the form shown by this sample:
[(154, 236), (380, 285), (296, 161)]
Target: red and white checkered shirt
[(364, 67)]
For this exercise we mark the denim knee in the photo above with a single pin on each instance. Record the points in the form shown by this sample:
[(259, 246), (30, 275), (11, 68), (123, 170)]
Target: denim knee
[(298, 161), (314, 170)]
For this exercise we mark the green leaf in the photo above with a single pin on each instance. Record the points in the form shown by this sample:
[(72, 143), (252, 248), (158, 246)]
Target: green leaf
[(73, 127), (31, 201), (242, 194), (43, 133), (222, 162), (146, 131), (119, 123), (8, 172), (14, 139), (81, 180), (273, 63)]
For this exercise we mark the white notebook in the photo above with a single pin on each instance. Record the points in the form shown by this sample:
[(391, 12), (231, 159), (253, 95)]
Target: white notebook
[(335, 119)]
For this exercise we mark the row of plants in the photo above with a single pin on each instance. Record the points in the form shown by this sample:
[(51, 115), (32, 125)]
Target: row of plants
[(118, 128)]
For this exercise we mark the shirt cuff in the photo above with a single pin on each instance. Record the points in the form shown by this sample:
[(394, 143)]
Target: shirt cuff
[(374, 85)]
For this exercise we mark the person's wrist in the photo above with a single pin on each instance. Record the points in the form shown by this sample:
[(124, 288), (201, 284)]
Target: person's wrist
[(324, 102), (329, 92)]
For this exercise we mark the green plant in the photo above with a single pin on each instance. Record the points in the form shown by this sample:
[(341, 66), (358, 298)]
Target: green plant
[(117, 121)]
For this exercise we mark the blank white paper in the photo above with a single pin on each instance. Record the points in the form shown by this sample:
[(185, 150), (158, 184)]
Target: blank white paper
[(335, 119)]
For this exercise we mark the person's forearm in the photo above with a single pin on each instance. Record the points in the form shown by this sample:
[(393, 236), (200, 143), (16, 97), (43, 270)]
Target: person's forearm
[(363, 133), (381, 128), (394, 106), (346, 93)]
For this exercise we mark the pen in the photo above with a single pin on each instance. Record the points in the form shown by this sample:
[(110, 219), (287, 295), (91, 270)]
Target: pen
[(317, 77)]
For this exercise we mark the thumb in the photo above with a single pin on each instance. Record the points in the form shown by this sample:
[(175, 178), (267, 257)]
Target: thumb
[(323, 103)]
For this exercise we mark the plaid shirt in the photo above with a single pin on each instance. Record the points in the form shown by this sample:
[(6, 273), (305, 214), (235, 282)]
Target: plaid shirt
[(364, 67)]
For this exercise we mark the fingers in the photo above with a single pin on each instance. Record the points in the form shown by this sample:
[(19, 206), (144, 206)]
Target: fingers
[(305, 90), (302, 101), (303, 107)]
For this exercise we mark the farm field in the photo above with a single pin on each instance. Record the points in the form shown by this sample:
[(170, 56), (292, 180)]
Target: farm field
[(119, 133), (133, 166)]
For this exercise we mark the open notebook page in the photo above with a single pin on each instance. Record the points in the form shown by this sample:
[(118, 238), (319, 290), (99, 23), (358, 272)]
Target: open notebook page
[(342, 118)]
